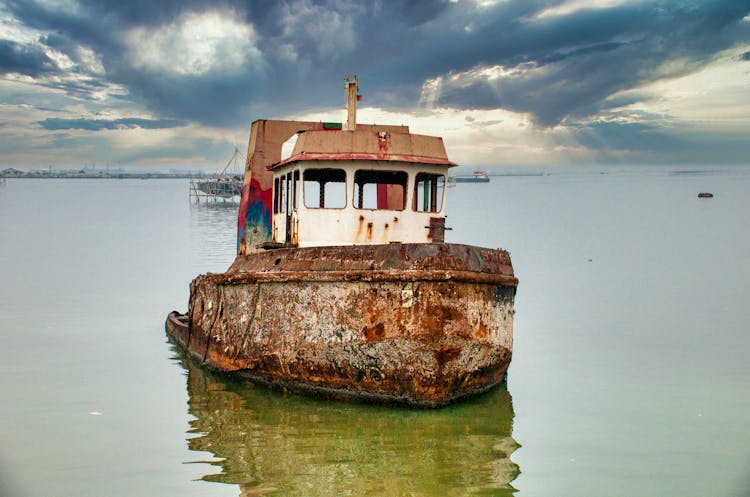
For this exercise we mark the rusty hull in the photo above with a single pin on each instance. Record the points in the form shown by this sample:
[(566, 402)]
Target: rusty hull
[(420, 324)]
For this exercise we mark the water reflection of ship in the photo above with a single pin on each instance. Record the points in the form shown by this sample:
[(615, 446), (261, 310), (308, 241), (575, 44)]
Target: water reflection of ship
[(269, 442)]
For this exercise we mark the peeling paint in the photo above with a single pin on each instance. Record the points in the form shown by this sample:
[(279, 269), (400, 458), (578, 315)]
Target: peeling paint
[(407, 297)]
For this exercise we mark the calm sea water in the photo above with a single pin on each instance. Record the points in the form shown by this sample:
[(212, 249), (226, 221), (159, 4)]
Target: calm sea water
[(630, 376)]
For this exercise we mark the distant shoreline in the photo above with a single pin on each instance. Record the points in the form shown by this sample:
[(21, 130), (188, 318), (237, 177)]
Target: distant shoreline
[(101, 175)]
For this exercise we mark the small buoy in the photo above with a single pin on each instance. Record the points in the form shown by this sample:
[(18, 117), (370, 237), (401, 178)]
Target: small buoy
[(705, 195)]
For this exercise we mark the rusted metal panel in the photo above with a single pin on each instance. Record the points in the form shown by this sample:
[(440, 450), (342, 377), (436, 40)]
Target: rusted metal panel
[(394, 257), (437, 229), (417, 324)]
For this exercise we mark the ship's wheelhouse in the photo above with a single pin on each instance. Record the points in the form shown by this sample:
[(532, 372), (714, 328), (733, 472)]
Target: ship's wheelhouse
[(355, 202)]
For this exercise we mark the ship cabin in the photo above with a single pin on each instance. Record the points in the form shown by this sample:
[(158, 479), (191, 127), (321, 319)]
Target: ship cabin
[(362, 186)]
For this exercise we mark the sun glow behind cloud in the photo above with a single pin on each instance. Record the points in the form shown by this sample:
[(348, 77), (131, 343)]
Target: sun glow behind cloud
[(477, 137), (716, 95), (195, 44)]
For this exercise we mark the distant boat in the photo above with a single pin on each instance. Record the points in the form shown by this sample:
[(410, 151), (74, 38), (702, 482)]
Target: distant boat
[(705, 195), (224, 186), (478, 176)]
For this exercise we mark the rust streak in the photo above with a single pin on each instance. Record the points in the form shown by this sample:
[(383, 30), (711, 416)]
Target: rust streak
[(250, 321)]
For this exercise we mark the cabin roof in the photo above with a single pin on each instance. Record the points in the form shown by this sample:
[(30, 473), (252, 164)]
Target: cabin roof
[(367, 144), (368, 157)]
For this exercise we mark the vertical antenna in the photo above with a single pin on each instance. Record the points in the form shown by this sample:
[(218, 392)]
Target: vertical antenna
[(351, 102)]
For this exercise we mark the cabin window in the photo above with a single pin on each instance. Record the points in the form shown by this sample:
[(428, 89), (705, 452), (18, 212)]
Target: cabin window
[(276, 190), (428, 192), (286, 192), (324, 188), (380, 190), (279, 194), (296, 190)]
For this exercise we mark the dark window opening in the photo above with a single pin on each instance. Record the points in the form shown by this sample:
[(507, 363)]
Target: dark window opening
[(294, 193), (276, 189), (324, 188), (286, 192), (380, 190), (279, 194), (428, 192)]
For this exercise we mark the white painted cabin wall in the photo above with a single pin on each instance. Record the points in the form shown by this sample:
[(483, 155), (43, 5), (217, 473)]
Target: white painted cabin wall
[(349, 226)]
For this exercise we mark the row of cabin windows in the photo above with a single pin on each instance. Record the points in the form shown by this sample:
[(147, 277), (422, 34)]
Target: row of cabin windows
[(326, 189)]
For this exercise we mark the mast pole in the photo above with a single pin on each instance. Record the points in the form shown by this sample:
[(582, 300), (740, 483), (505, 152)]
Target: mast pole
[(352, 88)]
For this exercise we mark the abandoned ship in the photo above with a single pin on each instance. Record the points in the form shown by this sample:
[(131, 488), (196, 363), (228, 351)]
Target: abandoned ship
[(343, 285)]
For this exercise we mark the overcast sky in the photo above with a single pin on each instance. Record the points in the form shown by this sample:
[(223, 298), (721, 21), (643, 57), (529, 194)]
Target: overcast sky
[(176, 83)]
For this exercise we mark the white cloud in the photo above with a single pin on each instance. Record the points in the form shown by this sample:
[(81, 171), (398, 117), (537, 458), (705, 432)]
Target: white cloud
[(331, 31), (718, 94), (430, 92), (491, 73), (196, 44), (12, 29), (433, 88), (61, 60), (89, 60), (572, 6), (484, 3)]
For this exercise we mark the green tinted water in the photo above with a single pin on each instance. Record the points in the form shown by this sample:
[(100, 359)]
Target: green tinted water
[(289, 445), (630, 373)]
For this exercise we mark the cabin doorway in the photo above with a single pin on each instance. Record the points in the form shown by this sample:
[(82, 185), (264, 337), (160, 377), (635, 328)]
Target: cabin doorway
[(287, 194), (292, 200)]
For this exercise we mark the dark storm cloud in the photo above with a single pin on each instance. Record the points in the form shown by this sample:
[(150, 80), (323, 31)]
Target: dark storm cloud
[(29, 60), (102, 124), (81, 88), (566, 66), (579, 60), (84, 27)]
